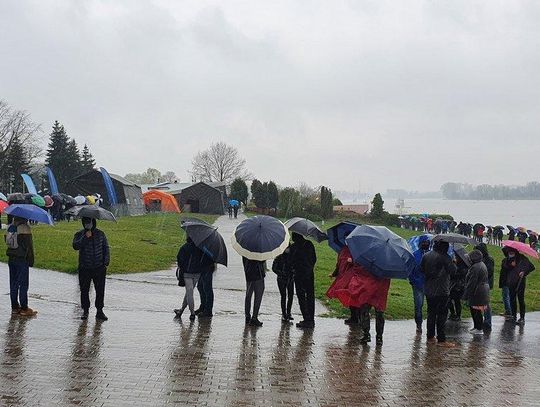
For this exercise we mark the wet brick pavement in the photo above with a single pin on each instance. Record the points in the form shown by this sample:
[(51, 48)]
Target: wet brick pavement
[(143, 356)]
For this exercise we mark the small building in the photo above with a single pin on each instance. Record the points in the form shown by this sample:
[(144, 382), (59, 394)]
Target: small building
[(360, 209), (129, 195), (198, 197)]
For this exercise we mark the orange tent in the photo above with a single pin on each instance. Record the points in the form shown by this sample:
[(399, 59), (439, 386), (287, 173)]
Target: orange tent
[(156, 200)]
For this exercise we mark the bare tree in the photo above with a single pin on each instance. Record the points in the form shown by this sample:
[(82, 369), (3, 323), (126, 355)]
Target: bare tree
[(221, 162)]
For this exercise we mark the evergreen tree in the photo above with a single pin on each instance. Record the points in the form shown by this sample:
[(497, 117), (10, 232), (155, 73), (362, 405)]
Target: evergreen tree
[(87, 160), (327, 207), (239, 190), (57, 155), (256, 187), (73, 159), (377, 207), (18, 162), (272, 195)]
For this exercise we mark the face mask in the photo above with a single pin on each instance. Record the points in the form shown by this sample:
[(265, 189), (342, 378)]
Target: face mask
[(88, 226)]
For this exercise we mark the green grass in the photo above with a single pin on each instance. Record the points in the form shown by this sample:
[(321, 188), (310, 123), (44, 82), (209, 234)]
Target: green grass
[(400, 302), (138, 244)]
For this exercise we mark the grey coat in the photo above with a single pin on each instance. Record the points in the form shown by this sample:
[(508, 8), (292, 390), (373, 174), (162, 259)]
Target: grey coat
[(437, 268), (477, 282)]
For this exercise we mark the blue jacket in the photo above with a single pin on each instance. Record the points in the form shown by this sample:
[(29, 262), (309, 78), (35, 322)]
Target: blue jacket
[(417, 278)]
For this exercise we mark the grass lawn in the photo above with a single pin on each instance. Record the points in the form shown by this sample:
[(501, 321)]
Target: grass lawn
[(400, 302), (138, 243)]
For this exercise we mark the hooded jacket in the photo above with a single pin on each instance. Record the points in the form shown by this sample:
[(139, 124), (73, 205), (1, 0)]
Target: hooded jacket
[(25, 251), (192, 260), (281, 266), (477, 286), (488, 261), (512, 267), (302, 256), (93, 251), (437, 267), (254, 269)]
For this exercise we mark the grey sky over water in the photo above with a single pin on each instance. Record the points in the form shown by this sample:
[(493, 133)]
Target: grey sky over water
[(376, 94)]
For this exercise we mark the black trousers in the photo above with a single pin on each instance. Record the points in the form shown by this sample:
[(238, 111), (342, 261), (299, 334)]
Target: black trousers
[(86, 276), (206, 291), (454, 306), (478, 318), (437, 308), (517, 294), (305, 291), (365, 320), (286, 291)]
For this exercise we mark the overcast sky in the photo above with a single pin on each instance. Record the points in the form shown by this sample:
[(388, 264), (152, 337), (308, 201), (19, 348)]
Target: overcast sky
[(370, 94)]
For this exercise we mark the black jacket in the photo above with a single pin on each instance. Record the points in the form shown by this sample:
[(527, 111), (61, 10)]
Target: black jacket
[(93, 251), (281, 266), (253, 269), (477, 286), (488, 261), (437, 267), (510, 273), (192, 260), (302, 257)]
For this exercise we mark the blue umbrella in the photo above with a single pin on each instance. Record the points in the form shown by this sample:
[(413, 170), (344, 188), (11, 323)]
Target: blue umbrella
[(30, 212), (234, 202), (260, 238), (381, 252), (414, 243), (336, 234)]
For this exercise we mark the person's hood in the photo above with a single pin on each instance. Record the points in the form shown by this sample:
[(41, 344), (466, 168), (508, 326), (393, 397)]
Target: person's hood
[(297, 237), (476, 256), (482, 247), (94, 223)]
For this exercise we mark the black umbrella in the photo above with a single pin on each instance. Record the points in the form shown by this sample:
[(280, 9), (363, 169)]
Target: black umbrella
[(454, 238), (459, 249), (207, 238), (92, 212), (306, 228)]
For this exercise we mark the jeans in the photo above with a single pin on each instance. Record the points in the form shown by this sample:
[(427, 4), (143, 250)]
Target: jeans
[(254, 288), (86, 276), (286, 291), (418, 296), (18, 283), (478, 320), (517, 294), (206, 291), (437, 308), (365, 320), (487, 317), (305, 291), (191, 282), (505, 291)]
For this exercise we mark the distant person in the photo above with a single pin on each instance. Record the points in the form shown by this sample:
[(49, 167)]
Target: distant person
[(437, 267), (516, 268), (490, 265), (285, 281), (498, 236), (192, 261), (235, 210), (457, 287), (230, 210), (20, 253), (512, 234), (255, 272), (533, 240), (477, 291), (206, 290), (489, 235), (302, 262), (417, 281), (522, 236), (94, 258)]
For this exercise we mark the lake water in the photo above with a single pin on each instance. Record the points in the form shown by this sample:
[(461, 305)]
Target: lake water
[(515, 213)]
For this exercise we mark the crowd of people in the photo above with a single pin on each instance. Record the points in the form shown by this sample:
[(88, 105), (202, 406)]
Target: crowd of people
[(493, 235)]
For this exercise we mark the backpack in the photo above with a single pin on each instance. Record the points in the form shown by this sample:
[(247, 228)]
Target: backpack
[(12, 237)]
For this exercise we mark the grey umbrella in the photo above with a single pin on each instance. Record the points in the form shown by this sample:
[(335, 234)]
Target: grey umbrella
[(306, 228), (92, 212), (459, 250), (454, 238)]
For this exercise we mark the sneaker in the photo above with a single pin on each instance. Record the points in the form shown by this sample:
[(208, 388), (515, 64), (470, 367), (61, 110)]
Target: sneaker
[(431, 340), (101, 316), (178, 312), (446, 344), (306, 324), (192, 317), (290, 318), (284, 318), (419, 329), (365, 339), (15, 310), (379, 340), (248, 319), (255, 322), (199, 311), (476, 332), (27, 312), (351, 321), (84, 315), (520, 321)]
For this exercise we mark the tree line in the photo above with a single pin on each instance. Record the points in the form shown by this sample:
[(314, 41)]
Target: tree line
[(20, 138), (456, 190)]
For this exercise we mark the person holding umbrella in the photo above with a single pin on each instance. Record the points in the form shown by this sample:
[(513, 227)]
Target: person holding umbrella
[(437, 267), (490, 265), (420, 245), (94, 258), (516, 267), (302, 262), (20, 252)]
